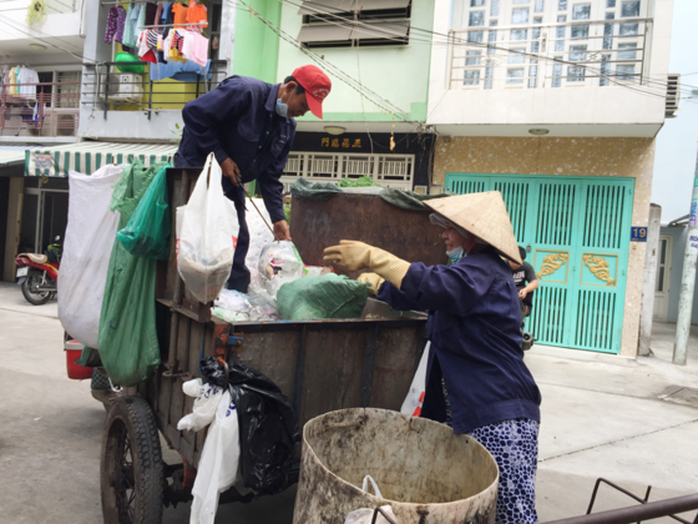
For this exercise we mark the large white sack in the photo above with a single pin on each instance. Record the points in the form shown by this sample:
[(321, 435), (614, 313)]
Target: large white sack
[(87, 246)]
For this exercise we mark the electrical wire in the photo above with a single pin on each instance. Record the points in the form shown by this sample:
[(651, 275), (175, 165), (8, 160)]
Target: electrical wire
[(450, 40)]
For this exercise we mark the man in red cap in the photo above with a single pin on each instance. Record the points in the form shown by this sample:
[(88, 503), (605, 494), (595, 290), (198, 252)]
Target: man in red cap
[(248, 125)]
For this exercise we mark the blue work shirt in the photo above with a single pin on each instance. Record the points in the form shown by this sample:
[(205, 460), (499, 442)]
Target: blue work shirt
[(237, 120), (475, 330)]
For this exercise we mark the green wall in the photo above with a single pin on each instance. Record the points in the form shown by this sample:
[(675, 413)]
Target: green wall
[(256, 51)]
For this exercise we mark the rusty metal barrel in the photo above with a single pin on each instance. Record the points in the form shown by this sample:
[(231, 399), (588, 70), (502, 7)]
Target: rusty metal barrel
[(426, 473)]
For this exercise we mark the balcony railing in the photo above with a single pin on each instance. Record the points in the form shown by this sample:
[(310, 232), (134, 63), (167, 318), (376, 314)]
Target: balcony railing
[(579, 53), (108, 89), (46, 109)]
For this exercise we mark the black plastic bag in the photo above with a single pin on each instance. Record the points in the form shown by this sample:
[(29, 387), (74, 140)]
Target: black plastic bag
[(267, 423)]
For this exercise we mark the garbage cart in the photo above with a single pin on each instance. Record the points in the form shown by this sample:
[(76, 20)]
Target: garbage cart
[(321, 365)]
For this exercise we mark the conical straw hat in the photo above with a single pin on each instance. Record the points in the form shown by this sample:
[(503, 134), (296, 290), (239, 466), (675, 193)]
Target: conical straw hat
[(482, 214)]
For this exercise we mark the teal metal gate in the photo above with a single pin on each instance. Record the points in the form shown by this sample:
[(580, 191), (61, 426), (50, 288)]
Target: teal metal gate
[(576, 231)]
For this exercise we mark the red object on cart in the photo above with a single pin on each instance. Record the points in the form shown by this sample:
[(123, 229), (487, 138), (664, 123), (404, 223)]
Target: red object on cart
[(73, 350)]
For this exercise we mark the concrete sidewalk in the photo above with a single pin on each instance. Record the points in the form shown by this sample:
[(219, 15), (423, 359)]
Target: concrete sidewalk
[(631, 421)]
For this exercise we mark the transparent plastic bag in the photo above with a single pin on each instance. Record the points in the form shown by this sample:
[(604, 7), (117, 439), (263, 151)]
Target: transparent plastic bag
[(279, 263), (205, 248)]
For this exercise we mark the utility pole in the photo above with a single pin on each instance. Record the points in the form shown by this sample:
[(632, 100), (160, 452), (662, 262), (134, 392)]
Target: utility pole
[(688, 280)]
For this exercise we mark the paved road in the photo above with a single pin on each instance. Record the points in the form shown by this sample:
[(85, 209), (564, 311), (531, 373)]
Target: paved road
[(602, 416)]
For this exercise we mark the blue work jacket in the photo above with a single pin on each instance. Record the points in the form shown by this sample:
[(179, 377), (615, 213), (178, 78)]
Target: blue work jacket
[(237, 120), (475, 330)]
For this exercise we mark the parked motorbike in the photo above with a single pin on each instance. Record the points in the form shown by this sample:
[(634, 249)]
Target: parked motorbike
[(38, 274)]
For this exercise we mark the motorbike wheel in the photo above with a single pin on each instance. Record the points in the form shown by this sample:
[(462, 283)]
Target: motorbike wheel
[(30, 289)]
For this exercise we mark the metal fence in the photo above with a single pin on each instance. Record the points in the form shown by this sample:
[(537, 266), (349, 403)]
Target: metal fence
[(46, 109), (119, 86)]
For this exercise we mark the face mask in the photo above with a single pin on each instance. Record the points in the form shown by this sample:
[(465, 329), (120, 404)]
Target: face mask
[(281, 107), (456, 254)]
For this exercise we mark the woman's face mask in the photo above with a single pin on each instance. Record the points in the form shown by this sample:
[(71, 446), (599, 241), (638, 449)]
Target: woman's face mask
[(456, 254)]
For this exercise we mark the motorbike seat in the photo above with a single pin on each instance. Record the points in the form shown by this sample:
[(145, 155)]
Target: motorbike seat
[(36, 258)]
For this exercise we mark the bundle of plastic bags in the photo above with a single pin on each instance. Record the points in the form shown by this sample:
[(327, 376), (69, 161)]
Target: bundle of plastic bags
[(323, 296)]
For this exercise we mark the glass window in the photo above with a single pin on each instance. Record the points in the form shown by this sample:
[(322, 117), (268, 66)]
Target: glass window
[(472, 58), (519, 15), (628, 29), (581, 12), (471, 78), (575, 74), (489, 73), (629, 51), (516, 56), (475, 36), (494, 8), (630, 8), (477, 3), (519, 34), (557, 74), (605, 70), (610, 3), (532, 72), (608, 31), (540, 4), (580, 31), (521, 1), (578, 53), (625, 72), (476, 18), (562, 5), (515, 76)]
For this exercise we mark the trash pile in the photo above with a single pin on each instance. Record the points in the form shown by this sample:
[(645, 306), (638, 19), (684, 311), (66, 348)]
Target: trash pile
[(283, 288)]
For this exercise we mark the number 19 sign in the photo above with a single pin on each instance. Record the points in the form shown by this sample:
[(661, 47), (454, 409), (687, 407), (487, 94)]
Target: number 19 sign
[(638, 234)]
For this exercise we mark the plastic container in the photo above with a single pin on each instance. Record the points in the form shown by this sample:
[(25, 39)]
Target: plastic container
[(124, 58), (424, 471), (73, 349)]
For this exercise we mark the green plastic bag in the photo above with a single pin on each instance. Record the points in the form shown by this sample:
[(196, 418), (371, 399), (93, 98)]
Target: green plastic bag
[(128, 342), (321, 296), (147, 233)]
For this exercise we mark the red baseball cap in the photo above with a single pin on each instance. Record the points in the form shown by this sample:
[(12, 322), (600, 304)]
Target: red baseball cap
[(317, 86)]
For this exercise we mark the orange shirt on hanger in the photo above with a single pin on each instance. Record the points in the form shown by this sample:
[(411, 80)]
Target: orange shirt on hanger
[(180, 13), (197, 13)]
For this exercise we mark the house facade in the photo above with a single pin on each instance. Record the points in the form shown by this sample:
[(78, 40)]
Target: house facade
[(556, 103)]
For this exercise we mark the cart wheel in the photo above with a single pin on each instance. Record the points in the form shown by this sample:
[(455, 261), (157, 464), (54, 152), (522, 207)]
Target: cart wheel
[(131, 470)]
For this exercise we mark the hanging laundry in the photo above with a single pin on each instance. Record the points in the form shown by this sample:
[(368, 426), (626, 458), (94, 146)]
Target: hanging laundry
[(180, 13), (198, 16), (195, 48), (141, 19), (182, 71), (150, 10), (167, 18), (130, 37), (28, 78), (158, 14), (115, 24), (14, 88)]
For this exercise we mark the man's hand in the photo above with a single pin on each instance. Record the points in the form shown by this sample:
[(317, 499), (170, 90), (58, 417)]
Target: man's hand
[(232, 171), (281, 230), (523, 293)]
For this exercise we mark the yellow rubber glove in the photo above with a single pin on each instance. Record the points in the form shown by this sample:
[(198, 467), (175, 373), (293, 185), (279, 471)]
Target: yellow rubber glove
[(373, 280), (355, 255)]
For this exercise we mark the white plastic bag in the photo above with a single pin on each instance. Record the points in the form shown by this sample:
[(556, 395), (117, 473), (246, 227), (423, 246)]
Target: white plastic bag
[(205, 406), (218, 465), (365, 515), (206, 248), (279, 263), (89, 238), (412, 405)]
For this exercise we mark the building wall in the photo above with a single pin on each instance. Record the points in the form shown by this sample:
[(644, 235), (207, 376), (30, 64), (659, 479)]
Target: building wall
[(618, 157), (256, 51), (587, 105), (680, 235), (396, 73)]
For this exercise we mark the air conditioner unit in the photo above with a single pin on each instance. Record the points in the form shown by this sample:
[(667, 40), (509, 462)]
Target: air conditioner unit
[(122, 87)]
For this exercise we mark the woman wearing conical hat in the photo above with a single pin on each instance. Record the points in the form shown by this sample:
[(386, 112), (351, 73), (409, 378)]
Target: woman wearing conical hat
[(477, 381)]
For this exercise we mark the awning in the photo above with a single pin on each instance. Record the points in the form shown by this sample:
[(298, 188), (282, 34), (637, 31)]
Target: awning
[(87, 157), (13, 155)]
